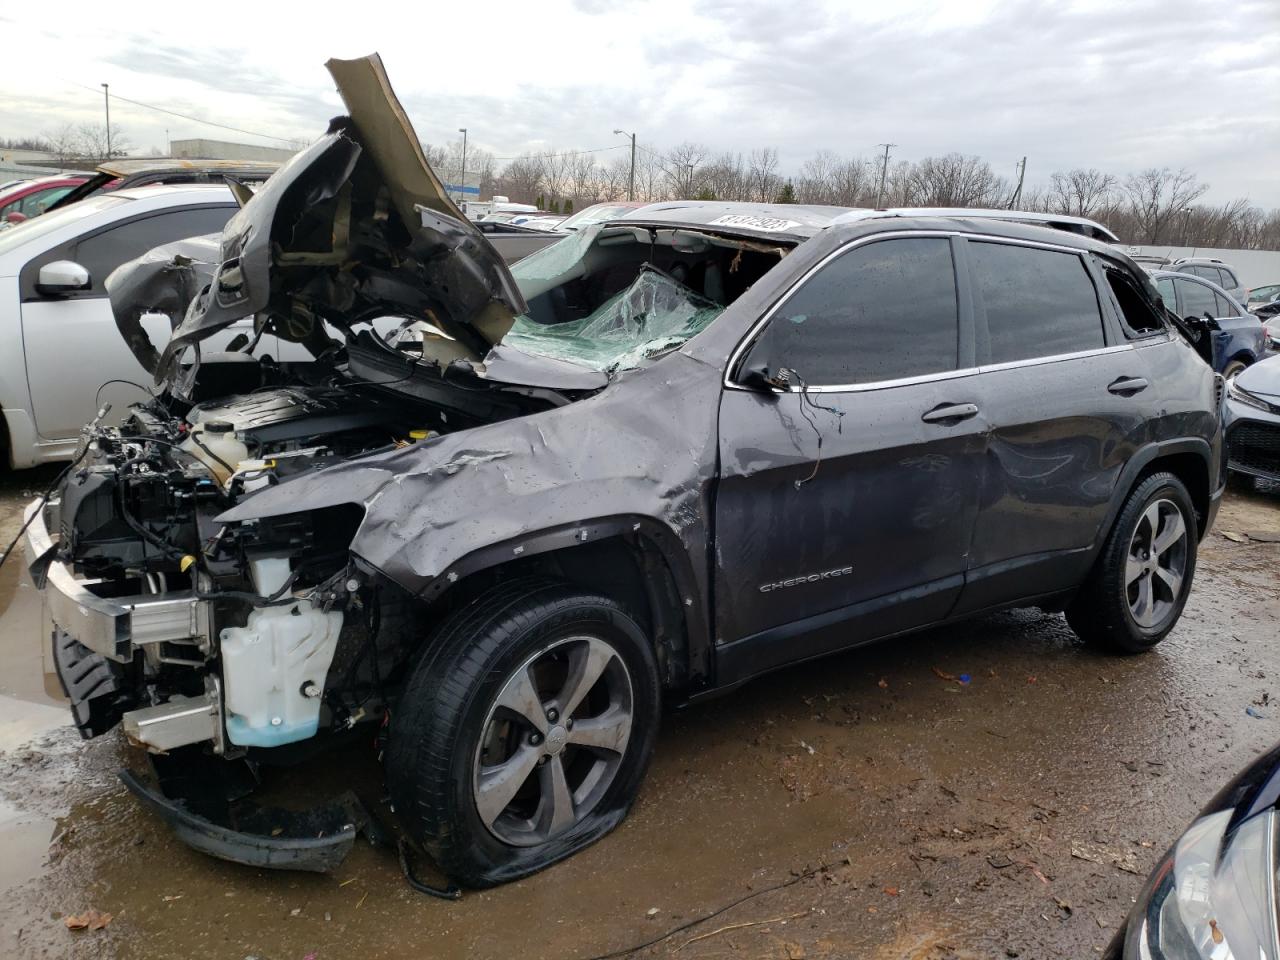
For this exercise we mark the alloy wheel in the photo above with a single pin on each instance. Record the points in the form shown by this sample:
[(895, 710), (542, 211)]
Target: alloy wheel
[(1157, 563), (553, 741)]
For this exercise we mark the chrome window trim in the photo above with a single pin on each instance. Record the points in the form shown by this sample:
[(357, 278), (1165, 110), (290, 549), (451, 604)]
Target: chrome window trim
[(745, 343)]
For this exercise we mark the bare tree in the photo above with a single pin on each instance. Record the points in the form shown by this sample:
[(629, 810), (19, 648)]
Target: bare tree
[(682, 163), (724, 177), (1158, 195), (1079, 192), (521, 178), (92, 141), (63, 143), (763, 181), (955, 180)]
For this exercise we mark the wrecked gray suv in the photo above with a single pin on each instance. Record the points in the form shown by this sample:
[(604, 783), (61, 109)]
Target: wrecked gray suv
[(503, 515)]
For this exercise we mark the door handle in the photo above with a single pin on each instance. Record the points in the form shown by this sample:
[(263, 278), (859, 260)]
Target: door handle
[(950, 413), (1127, 386)]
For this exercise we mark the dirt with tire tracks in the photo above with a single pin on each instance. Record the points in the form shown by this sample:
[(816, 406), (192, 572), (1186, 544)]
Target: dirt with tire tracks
[(870, 805)]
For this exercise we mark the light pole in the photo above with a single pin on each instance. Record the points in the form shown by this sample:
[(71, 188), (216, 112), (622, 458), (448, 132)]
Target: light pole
[(106, 102), (631, 191), (462, 174), (689, 191), (1186, 217)]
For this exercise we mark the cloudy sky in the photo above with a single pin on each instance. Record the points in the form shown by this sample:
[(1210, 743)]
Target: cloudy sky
[(1116, 85)]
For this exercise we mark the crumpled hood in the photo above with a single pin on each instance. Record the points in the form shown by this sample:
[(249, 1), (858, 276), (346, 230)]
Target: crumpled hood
[(1262, 378), (354, 227)]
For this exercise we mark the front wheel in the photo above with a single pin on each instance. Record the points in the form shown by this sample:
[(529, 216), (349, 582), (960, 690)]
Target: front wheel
[(524, 731), (1140, 582)]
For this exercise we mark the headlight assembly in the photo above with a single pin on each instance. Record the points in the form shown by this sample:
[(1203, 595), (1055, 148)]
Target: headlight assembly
[(1213, 896), (1241, 395)]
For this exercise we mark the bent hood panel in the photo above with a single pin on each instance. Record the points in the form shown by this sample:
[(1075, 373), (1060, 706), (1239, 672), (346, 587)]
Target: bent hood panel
[(355, 226)]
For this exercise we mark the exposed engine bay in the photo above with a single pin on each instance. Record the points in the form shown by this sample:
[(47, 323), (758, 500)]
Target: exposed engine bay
[(299, 644)]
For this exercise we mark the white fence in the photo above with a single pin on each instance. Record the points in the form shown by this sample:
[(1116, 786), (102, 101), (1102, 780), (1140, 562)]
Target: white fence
[(1254, 267)]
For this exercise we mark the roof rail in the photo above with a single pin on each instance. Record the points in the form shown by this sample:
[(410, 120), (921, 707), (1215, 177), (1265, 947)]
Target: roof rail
[(1080, 225)]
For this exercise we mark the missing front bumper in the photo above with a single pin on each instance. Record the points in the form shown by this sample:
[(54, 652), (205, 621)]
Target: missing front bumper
[(180, 792)]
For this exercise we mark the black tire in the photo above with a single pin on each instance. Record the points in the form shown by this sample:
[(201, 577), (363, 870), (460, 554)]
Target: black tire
[(1101, 613), (436, 730)]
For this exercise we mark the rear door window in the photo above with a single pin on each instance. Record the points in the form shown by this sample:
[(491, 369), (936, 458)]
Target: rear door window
[(1225, 309), (1038, 303), (1164, 286), (885, 310), (1197, 299)]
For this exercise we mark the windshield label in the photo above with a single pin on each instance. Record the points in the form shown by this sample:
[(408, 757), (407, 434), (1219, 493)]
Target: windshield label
[(767, 224)]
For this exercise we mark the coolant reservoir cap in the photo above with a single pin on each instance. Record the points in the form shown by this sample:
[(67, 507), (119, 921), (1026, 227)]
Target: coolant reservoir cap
[(216, 426)]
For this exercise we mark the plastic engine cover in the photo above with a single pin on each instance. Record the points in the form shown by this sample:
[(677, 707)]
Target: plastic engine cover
[(268, 663)]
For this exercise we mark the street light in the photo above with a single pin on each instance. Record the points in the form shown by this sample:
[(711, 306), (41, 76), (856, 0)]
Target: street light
[(631, 191), (690, 190), (106, 102), (1186, 216), (462, 179)]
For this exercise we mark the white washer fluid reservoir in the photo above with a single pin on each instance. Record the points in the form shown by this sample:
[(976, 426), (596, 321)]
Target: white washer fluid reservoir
[(266, 667)]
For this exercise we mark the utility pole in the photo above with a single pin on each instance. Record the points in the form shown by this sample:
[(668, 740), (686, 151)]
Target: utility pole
[(1017, 191), (631, 191), (106, 102), (884, 171), (462, 178)]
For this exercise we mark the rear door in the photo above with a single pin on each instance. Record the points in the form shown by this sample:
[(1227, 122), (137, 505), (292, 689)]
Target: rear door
[(1064, 396), (72, 345), (847, 501)]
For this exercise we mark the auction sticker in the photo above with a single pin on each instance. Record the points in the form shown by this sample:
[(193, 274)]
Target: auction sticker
[(766, 224)]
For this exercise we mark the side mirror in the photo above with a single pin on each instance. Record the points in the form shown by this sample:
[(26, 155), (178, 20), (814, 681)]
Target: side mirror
[(13, 216), (761, 381), (62, 277)]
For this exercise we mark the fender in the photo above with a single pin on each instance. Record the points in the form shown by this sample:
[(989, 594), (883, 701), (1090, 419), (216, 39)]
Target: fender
[(692, 589), (1142, 458)]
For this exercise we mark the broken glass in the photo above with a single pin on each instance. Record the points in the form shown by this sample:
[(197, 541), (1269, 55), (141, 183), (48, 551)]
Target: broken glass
[(654, 315)]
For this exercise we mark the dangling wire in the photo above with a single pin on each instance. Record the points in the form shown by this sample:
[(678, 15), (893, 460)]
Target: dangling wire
[(806, 402)]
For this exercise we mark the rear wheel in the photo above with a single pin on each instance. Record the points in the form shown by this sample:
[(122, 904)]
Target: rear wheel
[(524, 731), (1139, 584)]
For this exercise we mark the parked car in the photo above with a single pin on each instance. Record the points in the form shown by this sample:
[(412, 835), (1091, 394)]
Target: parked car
[(1251, 420), (1266, 311), (30, 198), (1213, 270), (1258, 296), (59, 345), (1271, 330), (121, 174), (1213, 895), (665, 456), (1238, 338), (515, 242)]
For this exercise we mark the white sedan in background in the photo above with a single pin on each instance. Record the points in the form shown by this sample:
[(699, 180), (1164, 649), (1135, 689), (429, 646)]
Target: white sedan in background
[(59, 344)]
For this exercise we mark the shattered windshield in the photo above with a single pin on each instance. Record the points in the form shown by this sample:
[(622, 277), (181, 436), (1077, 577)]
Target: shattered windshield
[(654, 315)]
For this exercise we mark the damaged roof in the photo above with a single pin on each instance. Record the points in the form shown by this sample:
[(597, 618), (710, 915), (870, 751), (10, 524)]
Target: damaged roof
[(793, 221)]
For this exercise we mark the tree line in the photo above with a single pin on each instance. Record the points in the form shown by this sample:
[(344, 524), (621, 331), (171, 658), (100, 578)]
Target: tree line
[(1157, 206)]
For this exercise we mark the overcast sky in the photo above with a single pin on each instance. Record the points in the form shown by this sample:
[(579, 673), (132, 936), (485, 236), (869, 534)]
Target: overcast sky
[(1116, 85)]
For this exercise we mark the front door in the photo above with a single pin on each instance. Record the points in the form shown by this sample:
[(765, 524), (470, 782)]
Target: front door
[(846, 503), (72, 345)]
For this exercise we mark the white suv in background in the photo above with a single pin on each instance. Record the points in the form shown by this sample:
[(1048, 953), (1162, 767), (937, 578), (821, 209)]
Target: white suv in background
[(1213, 270)]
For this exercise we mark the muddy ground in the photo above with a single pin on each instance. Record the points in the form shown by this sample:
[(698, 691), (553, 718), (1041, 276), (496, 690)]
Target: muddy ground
[(908, 815)]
